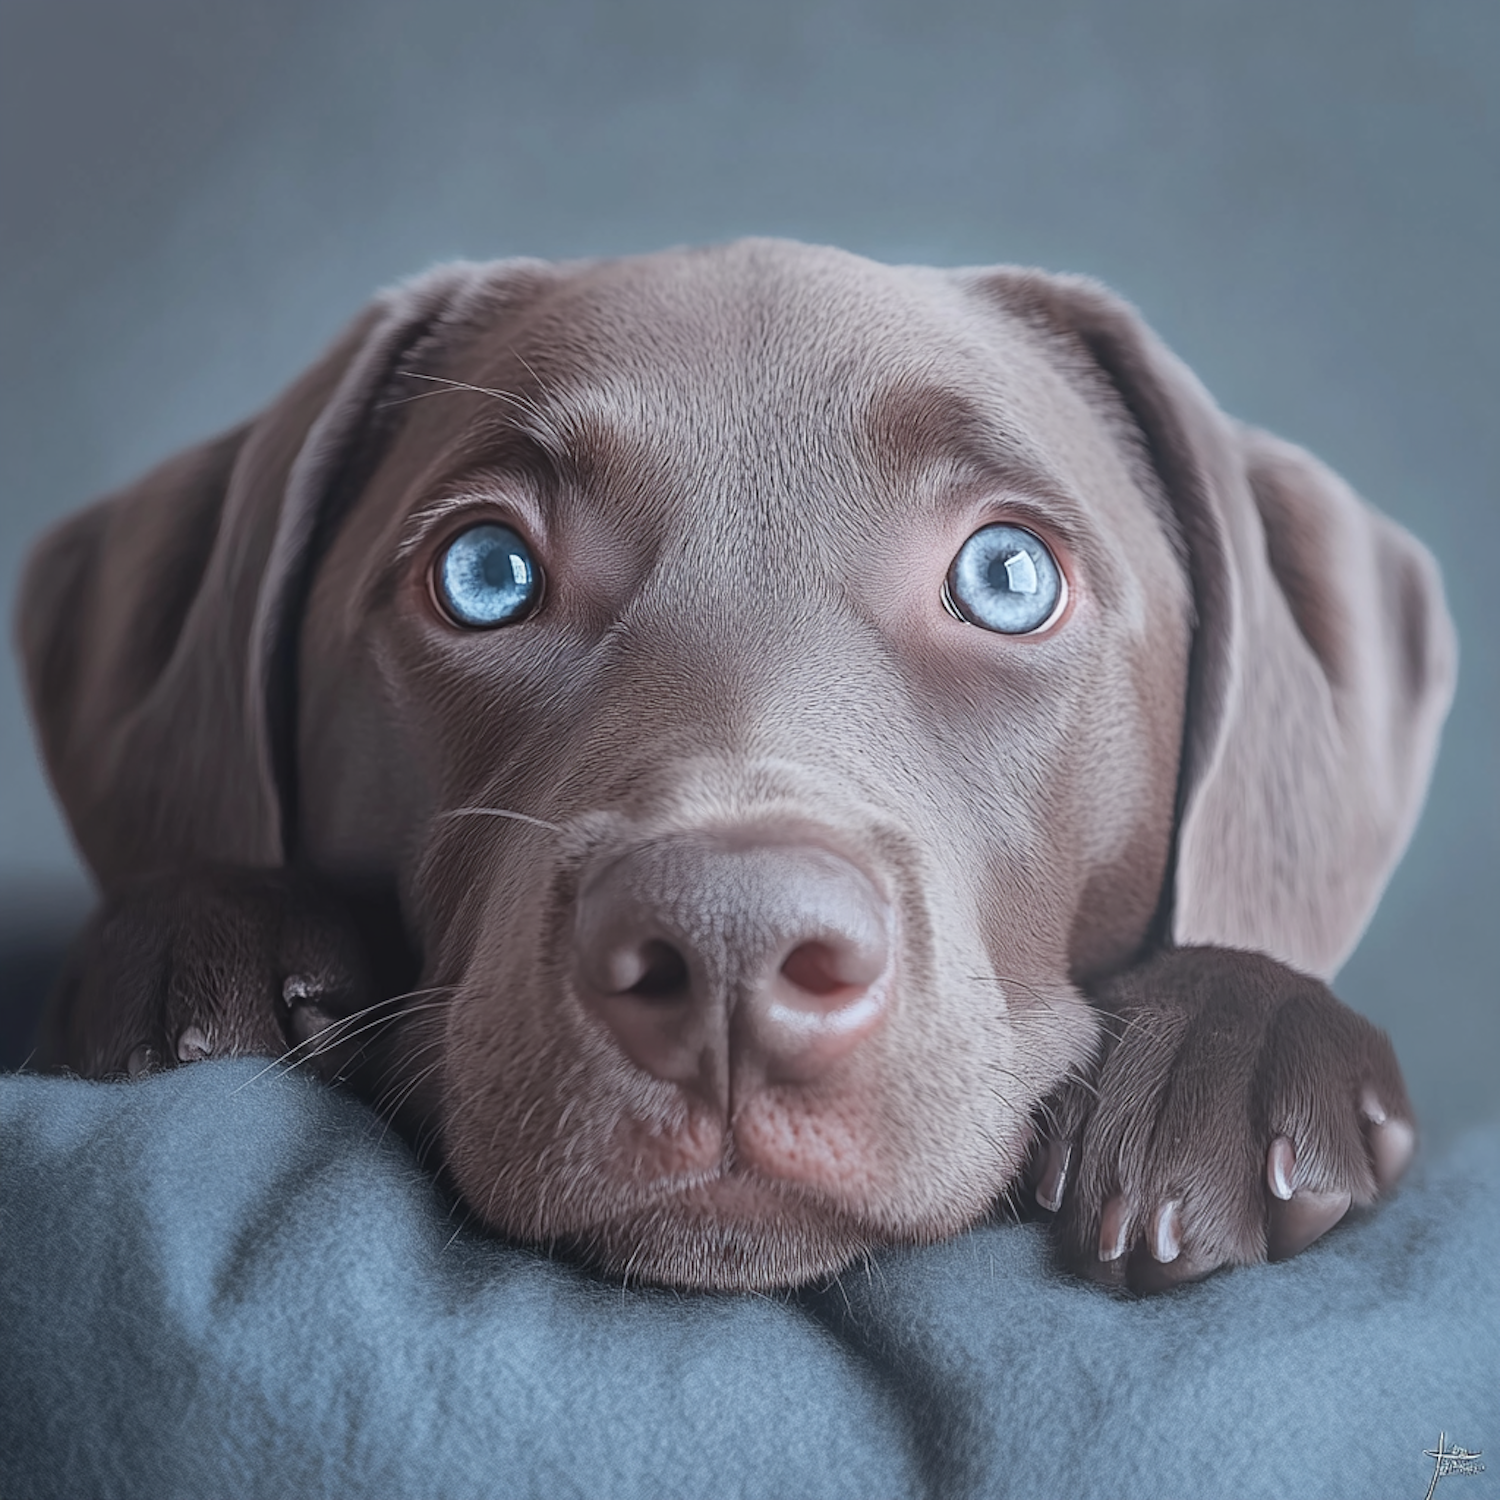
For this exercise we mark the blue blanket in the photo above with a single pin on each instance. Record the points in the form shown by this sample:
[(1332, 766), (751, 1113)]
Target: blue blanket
[(220, 1282)]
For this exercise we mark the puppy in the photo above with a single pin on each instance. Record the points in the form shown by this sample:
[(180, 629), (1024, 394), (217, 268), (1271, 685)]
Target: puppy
[(758, 755)]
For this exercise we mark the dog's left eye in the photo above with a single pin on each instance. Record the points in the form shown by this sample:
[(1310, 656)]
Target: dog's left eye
[(1005, 579), (485, 577)]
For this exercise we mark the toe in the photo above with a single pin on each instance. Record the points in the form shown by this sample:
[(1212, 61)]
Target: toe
[(1166, 1259), (193, 1045), (1297, 1215), (1391, 1146), (1392, 1141), (1294, 1224), (309, 1022), (1099, 1236)]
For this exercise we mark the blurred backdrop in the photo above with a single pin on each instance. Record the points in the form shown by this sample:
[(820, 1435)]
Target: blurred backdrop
[(1302, 195)]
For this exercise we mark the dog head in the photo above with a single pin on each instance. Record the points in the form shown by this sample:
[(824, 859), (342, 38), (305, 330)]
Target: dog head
[(774, 683)]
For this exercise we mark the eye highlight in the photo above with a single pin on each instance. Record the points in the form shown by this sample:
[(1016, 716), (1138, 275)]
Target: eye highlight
[(486, 577), (1005, 579)]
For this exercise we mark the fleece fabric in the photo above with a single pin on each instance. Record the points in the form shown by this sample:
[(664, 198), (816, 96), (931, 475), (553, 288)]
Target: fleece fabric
[(232, 1281)]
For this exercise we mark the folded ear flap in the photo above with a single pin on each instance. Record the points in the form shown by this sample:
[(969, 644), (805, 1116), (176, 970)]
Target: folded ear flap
[(1322, 667), (158, 627)]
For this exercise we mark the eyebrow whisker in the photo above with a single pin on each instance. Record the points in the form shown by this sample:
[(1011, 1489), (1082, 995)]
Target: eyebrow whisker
[(500, 812), (463, 385), (531, 370), (545, 426)]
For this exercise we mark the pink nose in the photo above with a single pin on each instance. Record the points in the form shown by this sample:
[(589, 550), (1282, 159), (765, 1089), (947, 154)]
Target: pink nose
[(704, 957)]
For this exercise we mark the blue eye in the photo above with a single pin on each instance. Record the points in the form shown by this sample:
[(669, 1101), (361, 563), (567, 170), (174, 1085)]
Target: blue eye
[(485, 577), (1005, 579)]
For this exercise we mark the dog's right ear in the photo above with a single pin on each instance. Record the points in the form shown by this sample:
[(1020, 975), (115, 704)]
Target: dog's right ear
[(158, 627), (1323, 656)]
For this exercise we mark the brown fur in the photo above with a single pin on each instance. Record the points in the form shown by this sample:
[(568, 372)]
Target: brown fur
[(744, 472)]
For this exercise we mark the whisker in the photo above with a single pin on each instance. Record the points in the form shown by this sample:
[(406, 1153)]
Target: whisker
[(1049, 1115), (344, 1030), (417, 1045), (282, 1063), (532, 371), (521, 403), (1074, 1079), (499, 812), (463, 385), (407, 400), (1007, 982), (391, 1101)]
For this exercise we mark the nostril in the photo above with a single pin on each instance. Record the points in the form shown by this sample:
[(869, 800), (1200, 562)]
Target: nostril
[(664, 975), (815, 967), (703, 954)]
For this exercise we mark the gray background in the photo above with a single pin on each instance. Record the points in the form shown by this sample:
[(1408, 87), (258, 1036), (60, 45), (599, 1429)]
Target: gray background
[(1303, 197)]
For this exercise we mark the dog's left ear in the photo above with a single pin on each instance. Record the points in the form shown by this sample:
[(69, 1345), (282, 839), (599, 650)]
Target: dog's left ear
[(1323, 657), (158, 628)]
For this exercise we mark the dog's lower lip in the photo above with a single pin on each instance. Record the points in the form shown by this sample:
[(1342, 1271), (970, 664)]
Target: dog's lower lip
[(730, 1234), (731, 1192)]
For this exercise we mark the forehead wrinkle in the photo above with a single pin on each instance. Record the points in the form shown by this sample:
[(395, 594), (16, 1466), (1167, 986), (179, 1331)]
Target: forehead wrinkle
[(557, 428), (591, 403), (783, 406), (645, 440), (939, 449), (919, 427), (677, 377), (653, 382)]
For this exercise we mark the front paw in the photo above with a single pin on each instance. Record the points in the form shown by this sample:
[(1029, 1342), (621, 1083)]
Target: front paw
[(1236, 1113), (208, 962)]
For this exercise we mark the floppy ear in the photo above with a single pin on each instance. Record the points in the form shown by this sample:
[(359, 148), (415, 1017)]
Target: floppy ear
[(158, 627), (1323, 658)]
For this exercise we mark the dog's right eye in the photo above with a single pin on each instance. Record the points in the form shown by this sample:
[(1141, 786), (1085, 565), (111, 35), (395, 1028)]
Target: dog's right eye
[(486, 577), (1005, 579)]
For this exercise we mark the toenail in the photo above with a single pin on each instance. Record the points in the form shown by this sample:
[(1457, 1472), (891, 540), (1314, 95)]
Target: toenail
[(1049, 1191), (193, 1045), (1167, 1239), (1281, 1167), (141, 1061), (1113, 1229)]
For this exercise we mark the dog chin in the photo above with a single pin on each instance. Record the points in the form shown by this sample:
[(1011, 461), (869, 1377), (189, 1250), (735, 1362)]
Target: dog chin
[(733, 1234)]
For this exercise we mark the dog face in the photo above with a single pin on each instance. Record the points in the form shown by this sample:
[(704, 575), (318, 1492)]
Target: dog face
[(757, 737), (774, 683)]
